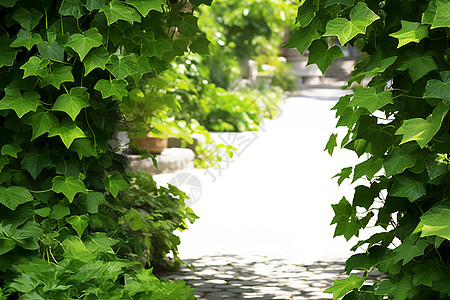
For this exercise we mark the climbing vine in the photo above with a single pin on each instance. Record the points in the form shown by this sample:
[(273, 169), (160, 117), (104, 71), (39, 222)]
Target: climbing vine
[(400, 123), (65, 66)]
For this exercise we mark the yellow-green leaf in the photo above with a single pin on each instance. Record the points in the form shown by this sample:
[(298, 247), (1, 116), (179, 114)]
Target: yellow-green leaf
[(410, 32)]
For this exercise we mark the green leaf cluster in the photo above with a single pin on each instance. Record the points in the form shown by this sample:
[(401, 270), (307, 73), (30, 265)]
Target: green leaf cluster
[(65, 67), (155, 213), (399, 122)]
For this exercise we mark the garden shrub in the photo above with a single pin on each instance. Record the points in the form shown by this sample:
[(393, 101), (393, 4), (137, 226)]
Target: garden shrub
[(400, 123), (154, 213), (64, 68)]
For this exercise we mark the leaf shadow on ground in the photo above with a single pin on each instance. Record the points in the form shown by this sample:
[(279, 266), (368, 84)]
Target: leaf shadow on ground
[(257, 277)]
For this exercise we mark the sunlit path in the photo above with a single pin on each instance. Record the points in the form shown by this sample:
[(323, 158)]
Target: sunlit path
[(274, 197)]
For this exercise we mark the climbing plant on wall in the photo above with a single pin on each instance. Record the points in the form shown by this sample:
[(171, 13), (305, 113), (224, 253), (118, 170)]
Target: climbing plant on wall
[(400, 123), (64, 68)]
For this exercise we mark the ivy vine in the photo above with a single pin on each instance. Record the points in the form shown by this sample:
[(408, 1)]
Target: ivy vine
[(400, 123), (65, 66)]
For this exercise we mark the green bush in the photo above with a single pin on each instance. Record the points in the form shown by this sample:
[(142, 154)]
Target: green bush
[(400, 123), (65, 66), (154, 213)]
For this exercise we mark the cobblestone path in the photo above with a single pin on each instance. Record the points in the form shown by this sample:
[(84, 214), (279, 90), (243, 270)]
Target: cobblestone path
[(257, 277)]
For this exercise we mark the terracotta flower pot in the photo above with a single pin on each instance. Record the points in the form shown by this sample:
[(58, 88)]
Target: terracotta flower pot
[(153, 144)]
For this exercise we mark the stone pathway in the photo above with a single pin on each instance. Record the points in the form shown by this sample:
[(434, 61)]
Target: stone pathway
[(271, 204), (257, 277)]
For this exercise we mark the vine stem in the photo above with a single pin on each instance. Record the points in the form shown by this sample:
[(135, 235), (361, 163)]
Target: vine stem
[(37, 192), (93, 134)]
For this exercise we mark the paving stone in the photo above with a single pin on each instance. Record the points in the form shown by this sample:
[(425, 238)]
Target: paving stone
[(216, 281), (258, 277)]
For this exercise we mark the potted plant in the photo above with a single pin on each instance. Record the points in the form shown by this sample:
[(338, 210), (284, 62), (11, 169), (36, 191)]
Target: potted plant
[(146, 115)]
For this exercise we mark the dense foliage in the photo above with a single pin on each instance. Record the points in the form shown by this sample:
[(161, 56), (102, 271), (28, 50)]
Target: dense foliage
[(65, 66), (241, 30), (152, 214), (400, 123)]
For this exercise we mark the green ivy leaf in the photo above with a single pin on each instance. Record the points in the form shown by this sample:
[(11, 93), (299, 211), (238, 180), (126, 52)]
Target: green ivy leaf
[(100, 242), (437, 14), (114, 183), (344, 174), (121, 66), (43, 212), (75, 249), (96, 58), (8, 3), (143, 67), (7, 54), (301, 38), (20, 103), (68, 132), (408, 250), (348, 229), (58, 75), (199, 45), (408, 186), (83, 43), (399, 289), (410, 32), (14, 196), (27, 39), (435, 222), (371, 66), (28, 19), (343, 211), (343, 286), (35, 67), (400, 159), (348, 116), (438, 89), (3, 162), (369, 168), (72, 103), (11, 150), (188, 26), (145, 6), (52, 50), (158, 65), (322, 56), (117, 10), (92, 201), (6, 245), (71, 8), (435, 168), (94, 4), (369, 99), (343, 2), (331, 144), (43, 122), (360, 17), (79, 223), (426, 273), (420, 130), (306, 13), (59, 211), (112, 88), (155, 47), (34, 162), (364, 196), (69, 186), (418, 65), (361, 261), (83, 147)]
